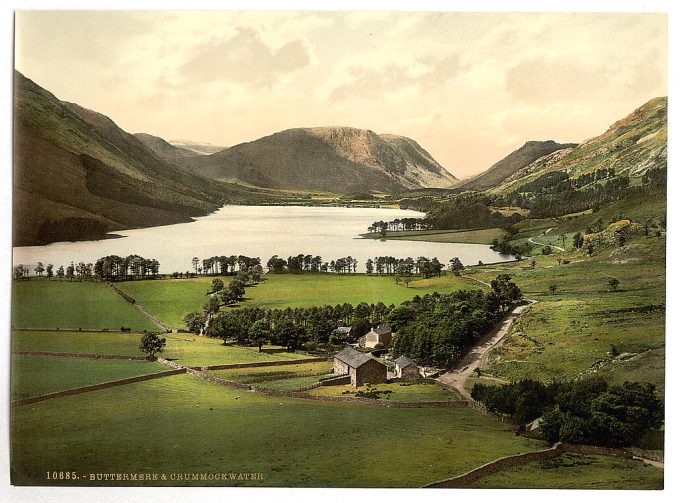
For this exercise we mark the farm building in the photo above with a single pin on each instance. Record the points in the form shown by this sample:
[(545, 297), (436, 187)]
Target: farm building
[(380, 335), (360, 367), (405, 368)]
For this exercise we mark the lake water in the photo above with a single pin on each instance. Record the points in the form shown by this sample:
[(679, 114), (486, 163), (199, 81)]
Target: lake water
[(259, 231)]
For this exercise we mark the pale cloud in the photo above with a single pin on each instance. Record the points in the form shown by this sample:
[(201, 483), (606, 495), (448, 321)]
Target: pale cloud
[(469, 87)]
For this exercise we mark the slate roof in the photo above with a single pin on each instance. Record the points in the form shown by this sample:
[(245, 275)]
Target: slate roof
[(404, 361), (382, 330), (352, 357), (344, 330)]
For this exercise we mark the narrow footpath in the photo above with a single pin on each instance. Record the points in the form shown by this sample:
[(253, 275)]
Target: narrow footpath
[(457, 377)]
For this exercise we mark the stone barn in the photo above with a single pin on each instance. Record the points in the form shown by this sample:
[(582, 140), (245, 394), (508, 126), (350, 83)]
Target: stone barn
[(379, 335), (405, 368), (360, 367)]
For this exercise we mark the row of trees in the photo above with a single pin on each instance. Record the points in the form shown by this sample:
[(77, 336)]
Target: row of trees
[(582, 412), (109, 268), (438, 329), (398, 224), (292, 327), (225, 265)]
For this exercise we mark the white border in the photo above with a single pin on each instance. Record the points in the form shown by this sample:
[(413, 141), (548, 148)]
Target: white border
[(148, 495)]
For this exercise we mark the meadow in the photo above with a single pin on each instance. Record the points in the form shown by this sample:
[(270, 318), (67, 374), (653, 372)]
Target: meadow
[(42, 303), (181, 424), (170, 300), (571, 332), (398, 392), (38, 375), (185, 349), (574, 470), (278, 377)]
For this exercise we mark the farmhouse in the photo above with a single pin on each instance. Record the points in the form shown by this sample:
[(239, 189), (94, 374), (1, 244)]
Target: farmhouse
[(360, 367), (405, 368), (380, 335)]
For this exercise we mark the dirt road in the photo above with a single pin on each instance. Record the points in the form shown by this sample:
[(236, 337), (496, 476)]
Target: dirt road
[(457, 377)]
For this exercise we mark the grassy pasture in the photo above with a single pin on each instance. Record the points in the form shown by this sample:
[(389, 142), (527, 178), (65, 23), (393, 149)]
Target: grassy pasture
[(257, 375), (38, 375), (186, 349), (565, 334), (39, 303), (183, 424), (400, 392), (575, 471), (170, 300)]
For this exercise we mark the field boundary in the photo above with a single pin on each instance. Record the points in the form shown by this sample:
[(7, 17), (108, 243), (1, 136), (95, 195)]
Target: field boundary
[(93, 356), (79, 329), (506, 462), (95, 387), (160, 324), (276, 363)]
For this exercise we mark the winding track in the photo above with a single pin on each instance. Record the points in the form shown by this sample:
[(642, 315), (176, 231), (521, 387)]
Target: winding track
[(457, 377)]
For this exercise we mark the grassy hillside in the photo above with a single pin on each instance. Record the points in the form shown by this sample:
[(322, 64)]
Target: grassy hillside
[(77, 175), (631, 146)]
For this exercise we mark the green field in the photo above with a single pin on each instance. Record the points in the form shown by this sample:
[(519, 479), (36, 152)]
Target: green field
[(567, 334), (38, 375), (186, 349), (574, 471), (477, 236), (261, 375), (400, 392), (170, 300), (183, 424), (39, 303)]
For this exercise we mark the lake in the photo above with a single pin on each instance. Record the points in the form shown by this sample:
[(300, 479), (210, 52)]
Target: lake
[(259, 231)]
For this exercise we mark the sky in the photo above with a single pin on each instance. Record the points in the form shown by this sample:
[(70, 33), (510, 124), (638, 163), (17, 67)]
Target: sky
[(469, 87)]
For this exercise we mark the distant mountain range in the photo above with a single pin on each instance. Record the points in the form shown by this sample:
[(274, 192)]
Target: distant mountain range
[(335, 159), (509, 165)]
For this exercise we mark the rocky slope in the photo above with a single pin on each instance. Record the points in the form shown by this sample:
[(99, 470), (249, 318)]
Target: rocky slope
[(335, 159)]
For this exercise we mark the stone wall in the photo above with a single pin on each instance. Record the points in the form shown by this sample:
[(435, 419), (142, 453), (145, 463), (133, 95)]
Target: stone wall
[(528, 457), (80, 355), (260, 364), (95, 387)]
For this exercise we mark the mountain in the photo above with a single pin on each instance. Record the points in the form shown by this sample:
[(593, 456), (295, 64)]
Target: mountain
[(632, 147), (512, 163), (77, 175), (335, 159), (197, 147), (166, 151)]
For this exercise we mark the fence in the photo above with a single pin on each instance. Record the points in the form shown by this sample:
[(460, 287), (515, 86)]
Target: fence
[(228, 366), (94, 356)]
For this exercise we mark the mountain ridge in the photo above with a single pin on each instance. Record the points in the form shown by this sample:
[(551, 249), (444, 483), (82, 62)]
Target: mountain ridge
[(336, 159)]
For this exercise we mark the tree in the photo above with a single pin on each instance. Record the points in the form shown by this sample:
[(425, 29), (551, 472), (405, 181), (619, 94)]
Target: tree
[(369, 266), (260, 332), (70, 270), (60, 272), (226, 328), (613, 283), (151, 344), (578, 240), (50, 271), (194, 321), (553, 288), (212, 306), (216, 285), (533, 264), (455, 265), (504, 292), (194, 262), (39, 269)]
